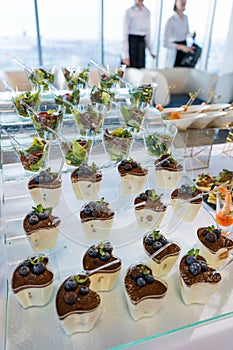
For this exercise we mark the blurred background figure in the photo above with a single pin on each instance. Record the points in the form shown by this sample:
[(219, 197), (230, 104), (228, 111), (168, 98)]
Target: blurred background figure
[(137, 35), (175, 35)]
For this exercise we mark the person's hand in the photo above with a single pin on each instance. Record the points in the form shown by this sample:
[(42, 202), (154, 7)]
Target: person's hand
[(185, 48), (126, 61), (153, 55)]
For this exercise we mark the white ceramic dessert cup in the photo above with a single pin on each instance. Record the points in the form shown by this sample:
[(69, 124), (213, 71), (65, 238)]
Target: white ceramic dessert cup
[(34, 295), (164, 266), (215, 259), (103, 280), (158, 138), (168, 179), (149, 218), (184, 208), (146, 307), (44, 238), (132, 184), (198, 293), (86, 190), (97, 228), (89, 118), (80, 321)]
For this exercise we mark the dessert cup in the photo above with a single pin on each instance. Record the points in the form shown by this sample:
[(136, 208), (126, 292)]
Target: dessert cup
[(78, 307), (32, 282), (133, 176), (86, 182), (160, 254), (198, 280), (41, 228), (102, 267), (167, 172), (144, 293)]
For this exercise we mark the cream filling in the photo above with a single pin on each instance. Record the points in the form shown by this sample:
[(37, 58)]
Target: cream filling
[(145, 308), (80, 322), (148, 218), (217, 259), (86, 190), (185, 210), (97, 229), (34, 296), (198, 292), (162, 268), (132, 184), (167, 179), (103, 281), (43, 239), (48, 197)]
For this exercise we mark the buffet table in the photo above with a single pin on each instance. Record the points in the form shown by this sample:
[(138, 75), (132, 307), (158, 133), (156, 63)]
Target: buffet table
[(175, 324)]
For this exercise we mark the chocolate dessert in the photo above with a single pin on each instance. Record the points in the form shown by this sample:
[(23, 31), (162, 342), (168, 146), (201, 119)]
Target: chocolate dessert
[(86, 181), (32, 282), (133, 176), (100, 258), (45, 188), (78, 307), (213, 245), (41, 228), (186, 202), (144, 293), (198, 280), (161, 254), (97, 219), (149, 209), (167, 171)]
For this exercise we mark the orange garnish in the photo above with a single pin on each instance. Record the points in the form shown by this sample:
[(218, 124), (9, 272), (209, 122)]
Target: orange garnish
[(185, 107), (174, 115), (226, 193), (159, 107)]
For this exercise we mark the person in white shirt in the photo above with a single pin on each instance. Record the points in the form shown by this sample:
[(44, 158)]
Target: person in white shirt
[(137, 35), (175, 35)]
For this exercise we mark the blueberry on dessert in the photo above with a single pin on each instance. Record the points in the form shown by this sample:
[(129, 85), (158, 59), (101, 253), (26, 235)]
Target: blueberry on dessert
[(45, 188), (186, 202), (97, 219), (102, 266), (144, 292), (78, 306), (198, 280), (86, 181), (133, 176), (32, 281), (213, 245), (41, 228), (161, 254), (167, 171), (149, 209)]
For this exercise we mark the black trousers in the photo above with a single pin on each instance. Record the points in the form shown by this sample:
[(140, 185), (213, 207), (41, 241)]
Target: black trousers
[(179, 54), (137, 51)]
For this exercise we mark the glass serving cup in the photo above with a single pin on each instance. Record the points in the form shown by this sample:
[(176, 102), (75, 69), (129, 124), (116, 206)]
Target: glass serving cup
[(76, 77), (224, 210), (89, 118), (77, 151), (158, 138), (103, 96), (142, 93), (117, 143), (49, 117), (22, 99), (39, 76), (132, 115), (68, 100)]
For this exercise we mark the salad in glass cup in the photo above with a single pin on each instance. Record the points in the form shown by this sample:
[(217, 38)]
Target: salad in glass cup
[(89, 118), (103, 96), (142, 93), (42, 77), (48, 119), (33, 158), (117, 143), (76, 76), (27, 98), (133, 115), (68, 100), (77, 151)]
